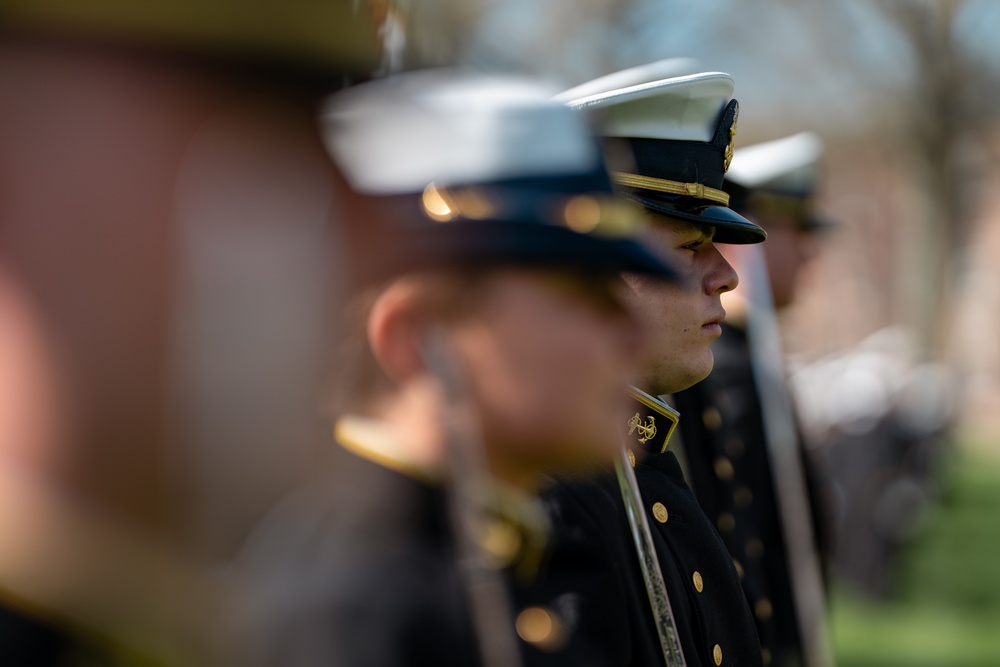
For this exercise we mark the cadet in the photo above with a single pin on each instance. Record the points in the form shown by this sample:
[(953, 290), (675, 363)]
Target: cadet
[(485, 344), (729, 445), (673, 138), (166, 209)]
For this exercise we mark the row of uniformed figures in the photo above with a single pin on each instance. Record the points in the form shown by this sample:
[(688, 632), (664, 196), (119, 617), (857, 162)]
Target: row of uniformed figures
[(586, 599), (511, 275), (440, 574)]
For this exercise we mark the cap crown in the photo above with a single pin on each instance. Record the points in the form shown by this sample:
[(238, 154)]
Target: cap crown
[(453, 129), (633, 76), (682, 108)]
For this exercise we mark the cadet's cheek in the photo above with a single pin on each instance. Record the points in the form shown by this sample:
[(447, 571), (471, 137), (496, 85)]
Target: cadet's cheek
[(515, 365), (555, 371), (601, 363), (669, 316)]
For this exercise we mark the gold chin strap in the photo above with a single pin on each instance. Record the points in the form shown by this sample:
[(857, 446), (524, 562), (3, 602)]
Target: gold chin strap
[(696, 190)]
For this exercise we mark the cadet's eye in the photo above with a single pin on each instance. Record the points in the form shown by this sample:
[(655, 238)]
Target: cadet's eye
[(694, 245)]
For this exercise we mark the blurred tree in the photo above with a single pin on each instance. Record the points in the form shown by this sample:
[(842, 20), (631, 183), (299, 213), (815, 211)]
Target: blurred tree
[(918, 77)]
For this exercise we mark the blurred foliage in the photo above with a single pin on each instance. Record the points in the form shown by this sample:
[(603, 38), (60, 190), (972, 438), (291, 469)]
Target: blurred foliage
[(947, 608)]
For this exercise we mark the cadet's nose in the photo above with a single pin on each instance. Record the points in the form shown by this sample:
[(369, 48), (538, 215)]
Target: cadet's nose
[(722, 277)]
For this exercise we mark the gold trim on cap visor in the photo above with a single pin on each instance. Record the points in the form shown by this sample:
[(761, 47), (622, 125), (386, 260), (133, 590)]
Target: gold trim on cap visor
[(597, 213), (696, 190)]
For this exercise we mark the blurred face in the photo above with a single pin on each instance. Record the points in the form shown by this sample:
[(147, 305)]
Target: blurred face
[(30, 409), (548, 356), (681, 320), (157, 220), (787, 251)]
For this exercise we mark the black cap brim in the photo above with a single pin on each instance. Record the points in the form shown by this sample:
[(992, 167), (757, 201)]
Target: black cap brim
[(502, 243), (730, 226)]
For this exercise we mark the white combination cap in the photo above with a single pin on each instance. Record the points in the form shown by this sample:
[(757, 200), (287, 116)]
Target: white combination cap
[(398, 135), (679, 127)]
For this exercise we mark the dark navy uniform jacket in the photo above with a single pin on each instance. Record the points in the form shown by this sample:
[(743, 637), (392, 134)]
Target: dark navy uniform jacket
[(28, 641), (595, 582), (730, 471), (365, 576)]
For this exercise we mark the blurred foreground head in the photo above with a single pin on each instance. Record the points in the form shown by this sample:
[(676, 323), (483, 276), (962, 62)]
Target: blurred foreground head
[(490, 218), (775, 185), (167, 233), (322, 39), (668, 131)]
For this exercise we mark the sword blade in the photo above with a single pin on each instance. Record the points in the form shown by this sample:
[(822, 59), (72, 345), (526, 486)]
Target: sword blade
[(659, 601), (787, 468)]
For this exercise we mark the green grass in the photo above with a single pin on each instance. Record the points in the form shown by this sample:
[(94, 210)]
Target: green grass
[(900, 635), (947, 609)]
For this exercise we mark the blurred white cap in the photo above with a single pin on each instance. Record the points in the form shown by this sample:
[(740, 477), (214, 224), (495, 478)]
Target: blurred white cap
[(399, 134), (787, 165)]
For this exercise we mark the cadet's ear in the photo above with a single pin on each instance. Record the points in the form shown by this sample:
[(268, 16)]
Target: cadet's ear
[(395, 325)]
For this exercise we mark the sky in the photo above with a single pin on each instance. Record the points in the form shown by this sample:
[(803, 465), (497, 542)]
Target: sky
[(827, 64)]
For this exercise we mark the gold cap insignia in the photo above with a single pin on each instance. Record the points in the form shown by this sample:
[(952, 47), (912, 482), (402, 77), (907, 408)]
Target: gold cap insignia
[(731, 148)]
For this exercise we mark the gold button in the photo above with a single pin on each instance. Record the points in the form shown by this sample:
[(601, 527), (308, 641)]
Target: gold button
[(631, 457), (500, 541), (734, 447), (765, 656), (726, 522), (711, 418), (540, 627), (723, 469), (762, 610), (743, 497), (739, 568), (754, 548), (699, 583), (717, 654), (582, 214), (660, 512)]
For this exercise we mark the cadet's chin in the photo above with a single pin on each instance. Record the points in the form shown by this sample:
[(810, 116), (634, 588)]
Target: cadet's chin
[(673, 377), (701, 371)]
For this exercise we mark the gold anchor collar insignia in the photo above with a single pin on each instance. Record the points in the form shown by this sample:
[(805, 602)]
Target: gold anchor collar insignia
[(647, 430), (644, 426)]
